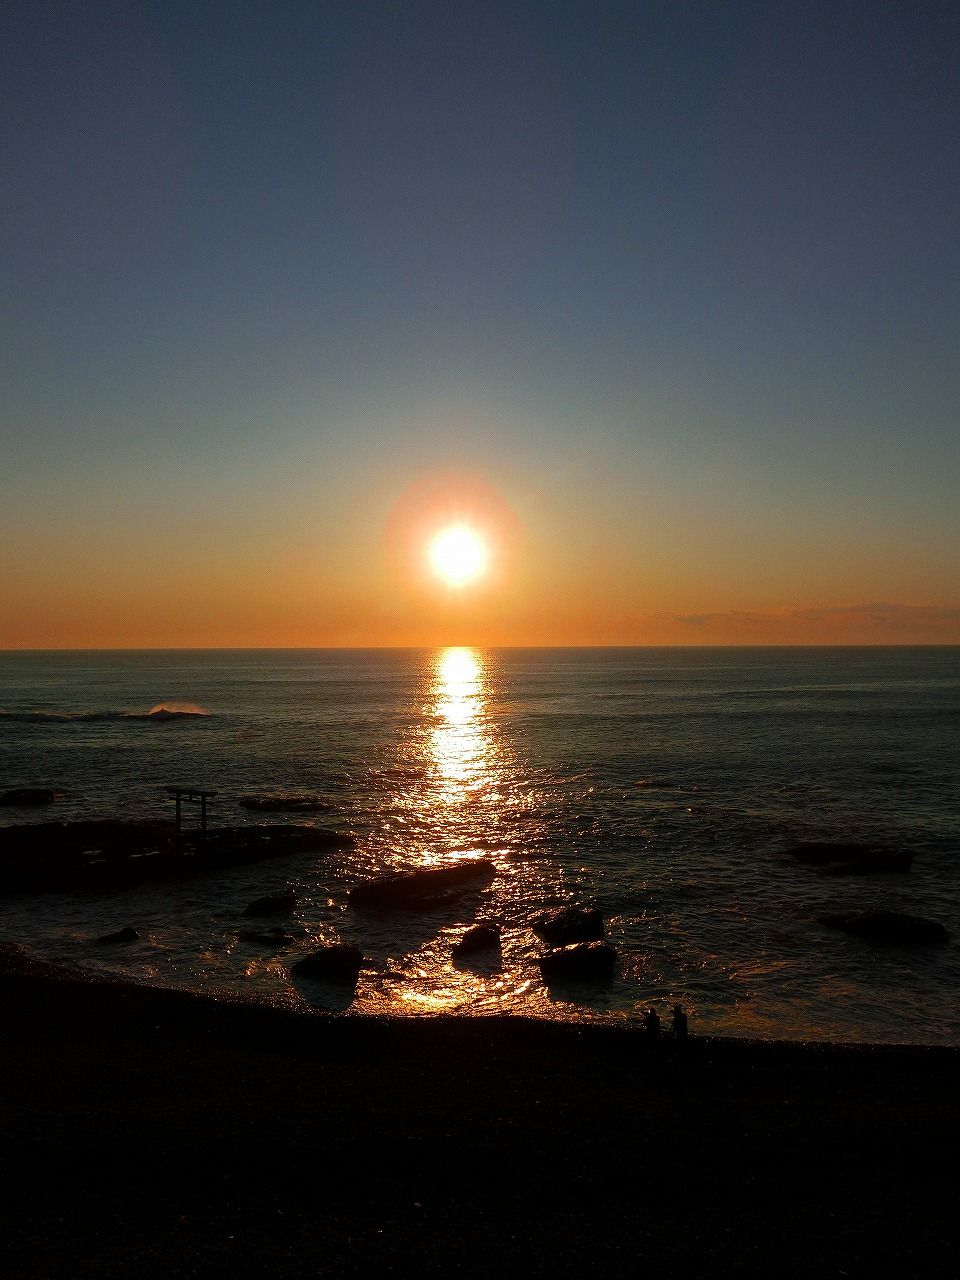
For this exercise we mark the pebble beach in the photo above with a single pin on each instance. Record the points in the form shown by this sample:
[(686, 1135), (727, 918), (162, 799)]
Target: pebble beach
[(159, 1133)]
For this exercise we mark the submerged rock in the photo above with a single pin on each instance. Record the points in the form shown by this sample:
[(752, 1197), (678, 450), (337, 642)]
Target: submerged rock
[(272, 904), (28, 796), (582, 962), (271, 938), (279, 803), (421, 888), (337, 962), (116, 939), (887, 926), (571, 924), (482, 937), (850, 858)]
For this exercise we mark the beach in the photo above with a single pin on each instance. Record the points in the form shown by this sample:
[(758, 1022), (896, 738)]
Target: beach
[(159, 1133)]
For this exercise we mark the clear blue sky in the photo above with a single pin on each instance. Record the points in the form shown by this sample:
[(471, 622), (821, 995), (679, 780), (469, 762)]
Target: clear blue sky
[(678, 280)]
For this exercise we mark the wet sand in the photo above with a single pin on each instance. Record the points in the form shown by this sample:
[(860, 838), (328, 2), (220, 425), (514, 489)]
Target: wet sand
[(152, 1133)]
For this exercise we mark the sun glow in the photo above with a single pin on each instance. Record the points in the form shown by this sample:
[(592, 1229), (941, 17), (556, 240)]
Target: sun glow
[(458, 555)]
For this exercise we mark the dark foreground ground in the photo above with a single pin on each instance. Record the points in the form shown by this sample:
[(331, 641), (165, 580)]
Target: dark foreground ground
[(150, 1134)]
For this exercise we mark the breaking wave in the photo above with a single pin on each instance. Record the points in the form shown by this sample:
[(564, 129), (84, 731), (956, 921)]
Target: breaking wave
[(170, 711), (161, 712)]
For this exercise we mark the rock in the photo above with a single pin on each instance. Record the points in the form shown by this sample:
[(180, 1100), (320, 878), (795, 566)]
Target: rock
[(571, 924), (582, 962), (276, 803), (116, 939), (109, 854), (272, 904), (337, 962), (887, 926), (28, 796), (850, 858), (482, 937), (421, 888), (271, 938)]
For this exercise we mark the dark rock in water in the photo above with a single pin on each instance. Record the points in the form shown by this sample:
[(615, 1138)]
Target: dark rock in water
[(270, 938), (272, 904), (107, 854), (285, 803), (338, 963), (422, 888), (887, 926), (571, 924), (582, 962), (850, 858), (482, 937), (28, 796), (115, 939)]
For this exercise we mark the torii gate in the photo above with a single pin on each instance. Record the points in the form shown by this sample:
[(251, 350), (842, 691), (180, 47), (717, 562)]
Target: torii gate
[(192, 795)]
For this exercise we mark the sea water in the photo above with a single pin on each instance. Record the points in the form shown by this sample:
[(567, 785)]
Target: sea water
[(663, 786)]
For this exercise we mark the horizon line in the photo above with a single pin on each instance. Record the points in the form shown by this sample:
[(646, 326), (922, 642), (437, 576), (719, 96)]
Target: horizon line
[(409, 648)]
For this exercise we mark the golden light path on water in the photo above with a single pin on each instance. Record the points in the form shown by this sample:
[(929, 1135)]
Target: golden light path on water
[(463, 753), (462, 810)]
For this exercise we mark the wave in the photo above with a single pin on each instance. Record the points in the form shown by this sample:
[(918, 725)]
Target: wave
[(158, 714), (169, 711)]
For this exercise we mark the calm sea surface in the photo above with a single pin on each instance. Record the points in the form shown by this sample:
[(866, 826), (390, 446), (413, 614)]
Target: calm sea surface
[(661, 785)]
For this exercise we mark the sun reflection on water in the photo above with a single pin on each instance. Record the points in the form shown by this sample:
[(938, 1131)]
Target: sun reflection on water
[(463, 753), (457, 794)]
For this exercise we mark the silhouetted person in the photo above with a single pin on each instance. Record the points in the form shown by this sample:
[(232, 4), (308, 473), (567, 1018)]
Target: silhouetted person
[(679, 1022), (651, 1024)]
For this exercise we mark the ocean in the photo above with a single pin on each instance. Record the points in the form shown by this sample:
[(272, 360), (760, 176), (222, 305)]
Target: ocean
[(663, 786)]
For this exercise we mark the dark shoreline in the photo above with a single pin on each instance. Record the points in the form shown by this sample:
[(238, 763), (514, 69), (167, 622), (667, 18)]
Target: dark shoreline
[(80, 995), (161, 1133)]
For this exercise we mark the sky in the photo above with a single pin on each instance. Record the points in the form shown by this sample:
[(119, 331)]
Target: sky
[(660, 298)]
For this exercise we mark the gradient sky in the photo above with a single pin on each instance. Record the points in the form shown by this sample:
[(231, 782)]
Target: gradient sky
[(665, 293)]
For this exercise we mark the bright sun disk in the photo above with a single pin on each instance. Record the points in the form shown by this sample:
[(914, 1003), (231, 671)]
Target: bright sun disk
[(457, 555)]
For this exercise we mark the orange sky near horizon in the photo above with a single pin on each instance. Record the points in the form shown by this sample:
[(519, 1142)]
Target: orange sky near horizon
[(361, 577)]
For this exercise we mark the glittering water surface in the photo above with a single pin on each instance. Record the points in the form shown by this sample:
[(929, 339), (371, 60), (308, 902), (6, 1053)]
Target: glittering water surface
[(660, 785)]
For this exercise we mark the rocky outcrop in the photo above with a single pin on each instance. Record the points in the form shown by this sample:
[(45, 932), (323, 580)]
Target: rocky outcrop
[(281, 803), (337, 963), (571, 924), (887, 926), (582, 962), (107, 854), (421, 889), (481, 938), (118, 938), (272, 904), (850, 858), (28, 797)]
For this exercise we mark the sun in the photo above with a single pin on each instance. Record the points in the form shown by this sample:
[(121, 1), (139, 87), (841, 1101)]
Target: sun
[(458, 555)]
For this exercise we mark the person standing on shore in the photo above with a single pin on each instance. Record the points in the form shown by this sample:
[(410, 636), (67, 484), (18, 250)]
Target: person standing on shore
[(651, 1024), (679, 1022)]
